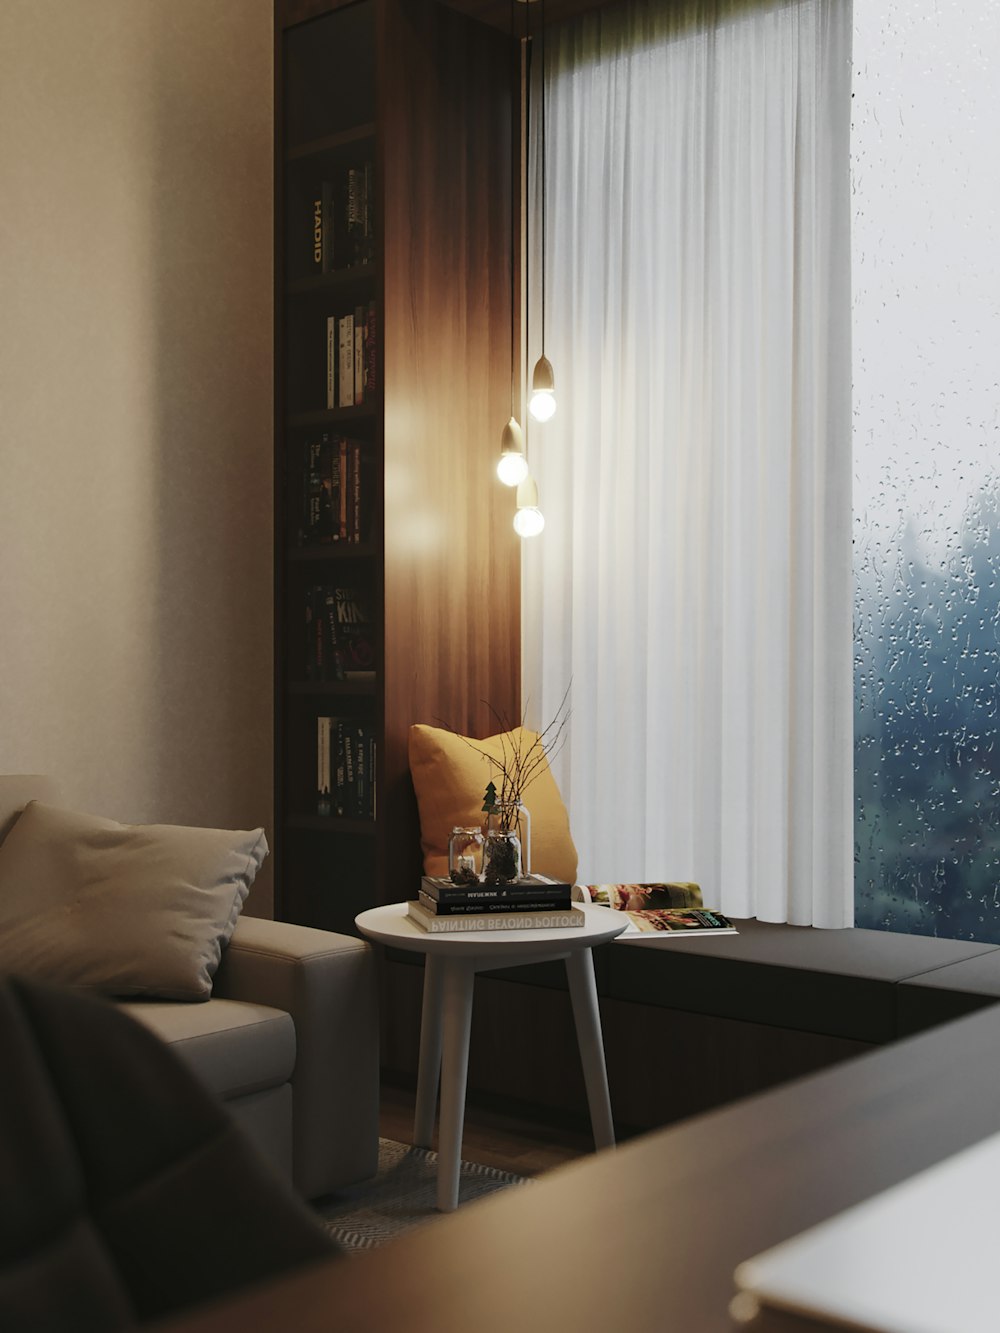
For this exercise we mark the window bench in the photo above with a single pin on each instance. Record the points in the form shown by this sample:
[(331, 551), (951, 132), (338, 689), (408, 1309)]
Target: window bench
[(695, 1025)]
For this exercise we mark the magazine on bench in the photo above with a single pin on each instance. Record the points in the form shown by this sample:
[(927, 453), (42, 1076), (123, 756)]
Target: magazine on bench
[(670, 910)]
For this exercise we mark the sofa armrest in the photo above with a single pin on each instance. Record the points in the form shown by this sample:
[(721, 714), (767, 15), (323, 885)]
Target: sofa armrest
[(327, 983)]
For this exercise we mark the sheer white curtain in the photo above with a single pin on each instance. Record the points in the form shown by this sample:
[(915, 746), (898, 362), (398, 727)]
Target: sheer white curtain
[(694, 576)]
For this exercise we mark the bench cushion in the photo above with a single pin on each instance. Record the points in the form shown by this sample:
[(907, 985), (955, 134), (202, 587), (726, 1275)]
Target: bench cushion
[(842, 983), (948, 992)]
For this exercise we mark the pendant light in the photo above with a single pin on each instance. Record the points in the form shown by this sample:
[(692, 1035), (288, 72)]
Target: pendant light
[(542, 403), (529, 519), (513, 465)]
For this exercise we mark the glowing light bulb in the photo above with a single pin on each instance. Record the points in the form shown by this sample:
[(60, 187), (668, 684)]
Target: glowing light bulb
[(512, 469), (529, 519), (529, 522), (513, 466), (542, 403)]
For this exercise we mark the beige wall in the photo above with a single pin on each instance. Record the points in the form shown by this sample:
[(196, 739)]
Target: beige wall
[(135, 405)]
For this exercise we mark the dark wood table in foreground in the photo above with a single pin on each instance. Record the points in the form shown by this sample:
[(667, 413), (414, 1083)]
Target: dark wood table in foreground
[(644, 1239)]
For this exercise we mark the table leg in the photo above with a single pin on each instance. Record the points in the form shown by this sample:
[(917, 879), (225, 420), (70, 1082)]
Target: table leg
[(456, 1024), (587, 1016), (429, 1060)]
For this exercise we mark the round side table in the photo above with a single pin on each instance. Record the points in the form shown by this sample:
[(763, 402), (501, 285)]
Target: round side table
[(451, 962)]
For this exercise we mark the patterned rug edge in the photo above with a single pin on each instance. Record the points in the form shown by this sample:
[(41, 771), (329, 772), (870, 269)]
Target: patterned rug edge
[(401, 1196)]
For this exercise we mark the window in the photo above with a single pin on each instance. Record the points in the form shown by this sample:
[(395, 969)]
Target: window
[(926, 280)]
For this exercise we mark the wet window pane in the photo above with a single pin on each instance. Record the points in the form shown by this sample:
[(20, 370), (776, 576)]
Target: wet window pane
[(926, 259)]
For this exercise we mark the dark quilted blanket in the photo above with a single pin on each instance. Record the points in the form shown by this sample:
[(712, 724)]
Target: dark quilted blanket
[(126, 1192)]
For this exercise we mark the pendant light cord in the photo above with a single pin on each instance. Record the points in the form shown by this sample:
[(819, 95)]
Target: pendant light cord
[(524, 158), (543, 177), (515, 82)]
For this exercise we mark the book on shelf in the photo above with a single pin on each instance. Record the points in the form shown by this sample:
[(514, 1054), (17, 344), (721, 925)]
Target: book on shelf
[(351, 632), (346, 754), (323, 766), (351, 362), (332, 356), (370, 343), (533, 889), (341, 220), (359, 354), (663, 913), (336, 492), (345, 363), (321, 492), (339, 644), (560, 919), (342, 490)]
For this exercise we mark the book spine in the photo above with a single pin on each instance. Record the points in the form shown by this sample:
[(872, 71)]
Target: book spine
[(372, 754), (342, 497), (350, 790), (359, 355), (462, 896), (443, 890), (345, 377), (371, 371), (312, 495), (369, 212), (465, 909), (328, 258), (360, 774), (340, 773), (312, 666), (335, 657), (323, 765), (332, 354), (503, 921), (317, 233), (355, 493)]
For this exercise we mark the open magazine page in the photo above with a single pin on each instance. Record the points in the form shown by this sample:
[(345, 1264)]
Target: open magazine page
[(657, 912)]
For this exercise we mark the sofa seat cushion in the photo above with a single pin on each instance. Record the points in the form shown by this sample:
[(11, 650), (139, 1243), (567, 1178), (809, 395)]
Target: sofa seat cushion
[(234, 1047)]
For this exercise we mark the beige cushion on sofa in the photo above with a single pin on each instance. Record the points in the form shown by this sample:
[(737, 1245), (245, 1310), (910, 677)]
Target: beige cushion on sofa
[(124, 909)]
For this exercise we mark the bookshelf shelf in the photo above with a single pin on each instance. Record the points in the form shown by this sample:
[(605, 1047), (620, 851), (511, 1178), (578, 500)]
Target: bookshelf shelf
[(314, 555), (376, 101), (331, 143), (336, 416), (331, 687), (333, 824)]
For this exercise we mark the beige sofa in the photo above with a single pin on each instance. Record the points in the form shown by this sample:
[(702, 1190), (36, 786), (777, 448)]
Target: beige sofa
[(288, 1040)]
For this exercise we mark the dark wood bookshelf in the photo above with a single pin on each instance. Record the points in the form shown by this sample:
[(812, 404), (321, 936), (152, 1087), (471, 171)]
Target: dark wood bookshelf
[(423, 94)]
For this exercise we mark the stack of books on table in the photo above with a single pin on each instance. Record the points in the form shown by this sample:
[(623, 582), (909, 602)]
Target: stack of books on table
[(533, 903)]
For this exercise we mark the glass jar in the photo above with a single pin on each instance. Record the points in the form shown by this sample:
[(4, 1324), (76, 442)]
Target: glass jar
[(507, 851), (465, 855)]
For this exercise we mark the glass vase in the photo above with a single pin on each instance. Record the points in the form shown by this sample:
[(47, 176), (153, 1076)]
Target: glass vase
[(465, 855), (507, 849)]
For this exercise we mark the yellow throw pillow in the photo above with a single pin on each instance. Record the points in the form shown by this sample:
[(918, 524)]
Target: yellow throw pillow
[(450, 778)]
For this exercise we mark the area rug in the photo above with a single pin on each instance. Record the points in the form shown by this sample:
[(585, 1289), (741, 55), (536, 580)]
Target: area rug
[(402, 1196)]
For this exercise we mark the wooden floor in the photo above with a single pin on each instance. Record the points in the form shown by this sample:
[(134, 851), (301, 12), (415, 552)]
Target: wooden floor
[(505, 1138)]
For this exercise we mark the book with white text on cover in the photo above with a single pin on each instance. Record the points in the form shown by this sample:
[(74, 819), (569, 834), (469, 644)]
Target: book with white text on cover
[(566, 918)]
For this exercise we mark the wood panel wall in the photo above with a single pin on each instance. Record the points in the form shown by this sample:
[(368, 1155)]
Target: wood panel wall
[(451, 558)]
